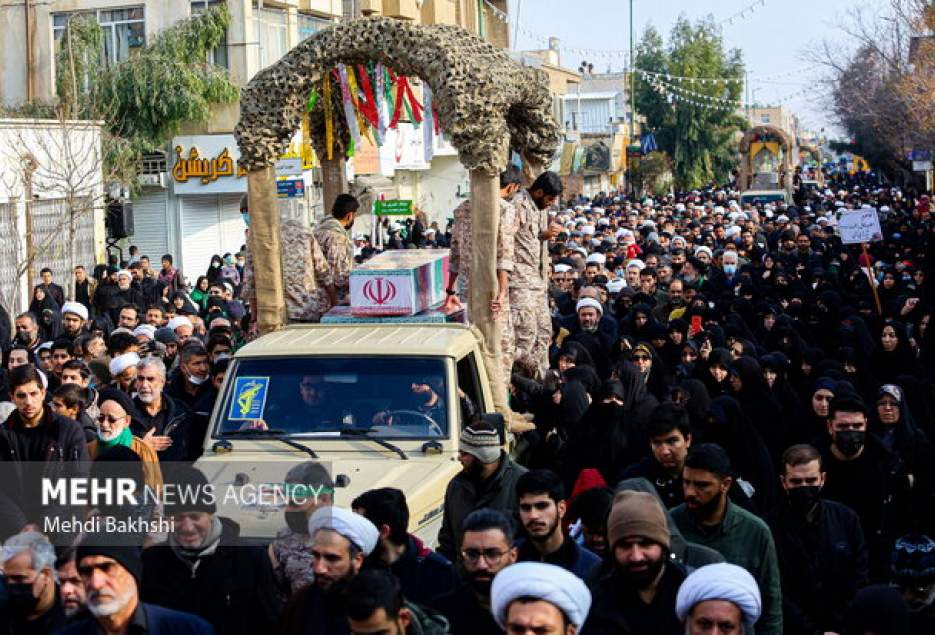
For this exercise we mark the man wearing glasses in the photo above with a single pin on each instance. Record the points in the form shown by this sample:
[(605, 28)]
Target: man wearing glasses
[(486, 549)]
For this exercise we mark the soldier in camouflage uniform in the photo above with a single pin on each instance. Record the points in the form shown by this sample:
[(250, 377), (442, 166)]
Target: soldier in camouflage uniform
[(532, 325), (307, 282), (462, 252), (334, 236)]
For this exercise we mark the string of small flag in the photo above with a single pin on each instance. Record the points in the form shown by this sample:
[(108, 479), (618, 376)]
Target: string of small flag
[(374, 99)]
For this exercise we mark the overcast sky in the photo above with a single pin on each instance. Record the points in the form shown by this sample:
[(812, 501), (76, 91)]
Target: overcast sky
[(774, 36)]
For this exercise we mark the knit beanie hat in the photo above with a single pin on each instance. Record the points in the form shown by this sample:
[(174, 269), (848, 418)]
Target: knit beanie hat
[(121, 547), (637, 514), (192, 492), (481, 443)]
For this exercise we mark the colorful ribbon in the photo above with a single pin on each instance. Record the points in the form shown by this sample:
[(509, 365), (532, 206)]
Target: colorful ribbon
[(349, 112), (329, 115)]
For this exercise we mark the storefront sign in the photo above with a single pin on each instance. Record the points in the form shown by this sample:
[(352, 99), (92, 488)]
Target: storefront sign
[(289, 167), (207, 164)]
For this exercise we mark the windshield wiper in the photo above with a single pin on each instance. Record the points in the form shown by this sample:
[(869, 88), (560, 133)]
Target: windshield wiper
[(365, 433), (276, 435)]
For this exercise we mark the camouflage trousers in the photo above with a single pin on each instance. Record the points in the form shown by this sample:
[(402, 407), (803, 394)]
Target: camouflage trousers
[(532, 327), (505, 325)]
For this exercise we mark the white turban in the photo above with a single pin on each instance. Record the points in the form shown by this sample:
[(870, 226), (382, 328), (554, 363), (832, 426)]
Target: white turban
[(704, 249), (616, 286), (584, 303), (561, 268), (637, 263), (587, 230), (541, 581), (354, 527), (147, 330), (179, 320), (720, 581), (76, 308), (123, 362), (597, 258), (124, 272)]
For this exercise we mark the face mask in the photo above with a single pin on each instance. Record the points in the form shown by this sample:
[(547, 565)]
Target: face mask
[(850, 442), (196, 381), (21, 598), (22, 338), (803, 499), (215, 265), (676, 267), (589, 329), (730, 269), (297, 522)]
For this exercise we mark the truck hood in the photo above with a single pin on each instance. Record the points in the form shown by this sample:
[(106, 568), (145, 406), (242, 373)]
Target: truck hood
[(238, 476)]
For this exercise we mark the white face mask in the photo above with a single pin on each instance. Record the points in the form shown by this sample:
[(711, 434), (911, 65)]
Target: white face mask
[(196, 381)]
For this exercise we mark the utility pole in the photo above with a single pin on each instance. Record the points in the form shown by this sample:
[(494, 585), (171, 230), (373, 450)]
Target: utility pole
[(632, 80)]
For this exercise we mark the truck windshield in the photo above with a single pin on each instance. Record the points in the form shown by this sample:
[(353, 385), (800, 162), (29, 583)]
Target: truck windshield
[(385, 397)]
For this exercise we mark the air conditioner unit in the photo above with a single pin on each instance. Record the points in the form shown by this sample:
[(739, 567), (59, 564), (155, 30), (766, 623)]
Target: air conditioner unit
[(152, 180)]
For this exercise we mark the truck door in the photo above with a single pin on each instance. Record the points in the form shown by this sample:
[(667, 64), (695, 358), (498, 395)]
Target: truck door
[(469, 383)]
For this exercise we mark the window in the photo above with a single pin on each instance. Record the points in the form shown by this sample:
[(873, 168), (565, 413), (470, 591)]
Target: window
[(310, 25), (218, 56), (764, 118), (272, 34), (330, 397), (124, 31)]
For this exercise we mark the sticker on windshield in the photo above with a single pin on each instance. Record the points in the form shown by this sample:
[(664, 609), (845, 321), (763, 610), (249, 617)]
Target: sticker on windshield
[(249, 398)]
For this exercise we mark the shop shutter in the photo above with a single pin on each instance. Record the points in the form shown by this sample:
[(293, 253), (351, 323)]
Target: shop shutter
[(200, 233), (151, 225), (232, 225)]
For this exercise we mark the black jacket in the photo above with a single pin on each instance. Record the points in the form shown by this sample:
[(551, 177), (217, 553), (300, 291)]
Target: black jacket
[(570, 556), (312, 611), (464, 496), (822, 564), (65, 454), (174, 421), (422, 573), (465, 614), (617, 609), (158, 620), (232, 589)]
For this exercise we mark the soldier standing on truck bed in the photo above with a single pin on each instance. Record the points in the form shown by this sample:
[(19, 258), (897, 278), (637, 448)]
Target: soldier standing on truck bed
[(334, 236), (529, 304), (462, 252), (308, 284)]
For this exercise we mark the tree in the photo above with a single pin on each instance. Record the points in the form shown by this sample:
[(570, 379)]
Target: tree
[(694, 121), (145, 99), (881, 80)]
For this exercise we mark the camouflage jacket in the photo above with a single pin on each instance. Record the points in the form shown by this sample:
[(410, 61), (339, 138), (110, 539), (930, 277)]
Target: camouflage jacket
[(462, 240), (338, 249), (531, 254)]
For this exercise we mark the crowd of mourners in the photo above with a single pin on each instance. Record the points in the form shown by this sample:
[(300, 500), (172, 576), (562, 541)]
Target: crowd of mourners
[(732, 435)]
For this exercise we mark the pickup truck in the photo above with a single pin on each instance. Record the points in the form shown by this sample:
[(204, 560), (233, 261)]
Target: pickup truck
[(377, 404)]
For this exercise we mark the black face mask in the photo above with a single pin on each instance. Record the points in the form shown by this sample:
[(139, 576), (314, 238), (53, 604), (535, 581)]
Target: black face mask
[(297, 521), (850, 442), (677, 266), (23, 338), (21, 599), (803, 499)]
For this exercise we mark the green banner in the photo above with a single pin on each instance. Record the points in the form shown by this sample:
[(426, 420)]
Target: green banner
[(392, 208)]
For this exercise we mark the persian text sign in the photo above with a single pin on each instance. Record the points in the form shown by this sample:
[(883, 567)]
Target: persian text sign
[(860, 226)]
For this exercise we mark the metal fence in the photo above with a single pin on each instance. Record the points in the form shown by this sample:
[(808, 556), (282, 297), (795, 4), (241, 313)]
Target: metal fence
[(52, 236)]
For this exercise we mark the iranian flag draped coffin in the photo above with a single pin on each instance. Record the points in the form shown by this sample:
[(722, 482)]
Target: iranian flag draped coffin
[(399, 282)]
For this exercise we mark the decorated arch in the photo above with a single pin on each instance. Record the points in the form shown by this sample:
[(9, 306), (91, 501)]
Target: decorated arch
[(483, 101), (768, 140)]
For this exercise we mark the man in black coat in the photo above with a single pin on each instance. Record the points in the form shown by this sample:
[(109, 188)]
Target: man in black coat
[(34, 443), (638, 594), (820, 546), (204, 569), (423, 574), (487, 547), (863, 475)]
